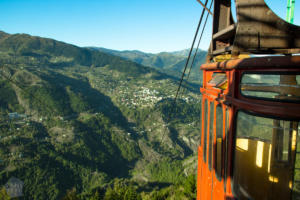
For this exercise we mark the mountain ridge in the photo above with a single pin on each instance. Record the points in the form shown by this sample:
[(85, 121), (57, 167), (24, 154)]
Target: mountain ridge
[(171, 63)]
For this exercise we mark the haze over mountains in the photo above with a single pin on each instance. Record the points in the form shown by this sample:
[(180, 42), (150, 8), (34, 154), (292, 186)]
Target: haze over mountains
[(168, 62), (91, 123)]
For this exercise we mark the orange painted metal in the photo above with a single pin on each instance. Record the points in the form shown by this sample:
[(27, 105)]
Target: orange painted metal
[(218, 185), (208, 186)]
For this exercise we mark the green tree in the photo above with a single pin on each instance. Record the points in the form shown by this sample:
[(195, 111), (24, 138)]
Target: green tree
[(4, 195), (131, 194), (96, 196), (110, 194), (190, 186)]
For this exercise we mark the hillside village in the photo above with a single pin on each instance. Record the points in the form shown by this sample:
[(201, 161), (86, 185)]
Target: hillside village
[(145, 97), (89, 120), (139, 94)]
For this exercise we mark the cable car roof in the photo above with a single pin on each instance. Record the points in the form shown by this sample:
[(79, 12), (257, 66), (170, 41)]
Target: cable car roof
[(271, 62)]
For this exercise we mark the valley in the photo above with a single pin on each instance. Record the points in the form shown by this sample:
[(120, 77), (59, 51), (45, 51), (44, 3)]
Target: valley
[(79, 123)]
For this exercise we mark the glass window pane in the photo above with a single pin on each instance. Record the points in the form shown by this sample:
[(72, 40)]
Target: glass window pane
[(219, 143), (263, 156), (211, 135), (205, 121), (284, 87), (218, 80), (250, 126)]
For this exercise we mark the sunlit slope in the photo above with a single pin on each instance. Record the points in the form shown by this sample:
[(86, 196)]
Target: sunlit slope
[(87, 117)]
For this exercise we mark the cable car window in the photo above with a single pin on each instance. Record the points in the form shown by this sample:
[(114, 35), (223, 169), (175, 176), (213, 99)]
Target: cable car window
[(262, 165), (283, 87), (250, 126), (219, 142), (205, 121), (218, 80), (211, 135)]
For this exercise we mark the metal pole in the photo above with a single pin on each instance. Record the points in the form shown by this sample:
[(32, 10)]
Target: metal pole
[(290, 11)]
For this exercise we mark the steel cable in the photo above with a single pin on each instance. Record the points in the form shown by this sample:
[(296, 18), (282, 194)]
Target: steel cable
[(193, 61), (185, 67)]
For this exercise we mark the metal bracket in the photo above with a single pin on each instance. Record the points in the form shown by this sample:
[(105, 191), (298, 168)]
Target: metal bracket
[(258, 30)]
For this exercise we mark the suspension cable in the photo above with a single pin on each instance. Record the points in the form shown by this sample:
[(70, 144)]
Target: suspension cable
[(193, 61), (185, 67), (204, 6), (189, 56)]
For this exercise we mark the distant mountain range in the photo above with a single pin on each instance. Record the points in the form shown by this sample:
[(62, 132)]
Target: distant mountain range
[(169, 62), (81, 122)]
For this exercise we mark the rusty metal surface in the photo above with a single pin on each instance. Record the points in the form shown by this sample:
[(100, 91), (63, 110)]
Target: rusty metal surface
[(258, 62), (258, 30), (223, 27)]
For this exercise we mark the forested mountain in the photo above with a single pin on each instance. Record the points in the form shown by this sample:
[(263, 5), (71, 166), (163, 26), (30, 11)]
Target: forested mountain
[(78, 123), (168, 62)]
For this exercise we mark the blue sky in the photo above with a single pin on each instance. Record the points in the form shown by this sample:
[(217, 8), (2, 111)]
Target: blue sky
[(147, 25)]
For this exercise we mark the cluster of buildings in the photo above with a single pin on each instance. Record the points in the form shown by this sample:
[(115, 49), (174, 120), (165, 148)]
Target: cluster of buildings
[(145, 97), (137, 96), (16, 115)]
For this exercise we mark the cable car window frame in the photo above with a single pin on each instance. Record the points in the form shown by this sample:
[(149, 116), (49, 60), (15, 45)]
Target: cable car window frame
[(266, 73)]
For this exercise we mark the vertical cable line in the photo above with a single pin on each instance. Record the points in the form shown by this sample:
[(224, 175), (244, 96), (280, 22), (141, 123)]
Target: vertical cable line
[(185, 67), (192, 47), (195, 54)]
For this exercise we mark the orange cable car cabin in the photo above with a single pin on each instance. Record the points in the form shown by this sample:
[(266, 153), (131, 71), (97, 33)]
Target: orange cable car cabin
[(250, 130)]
